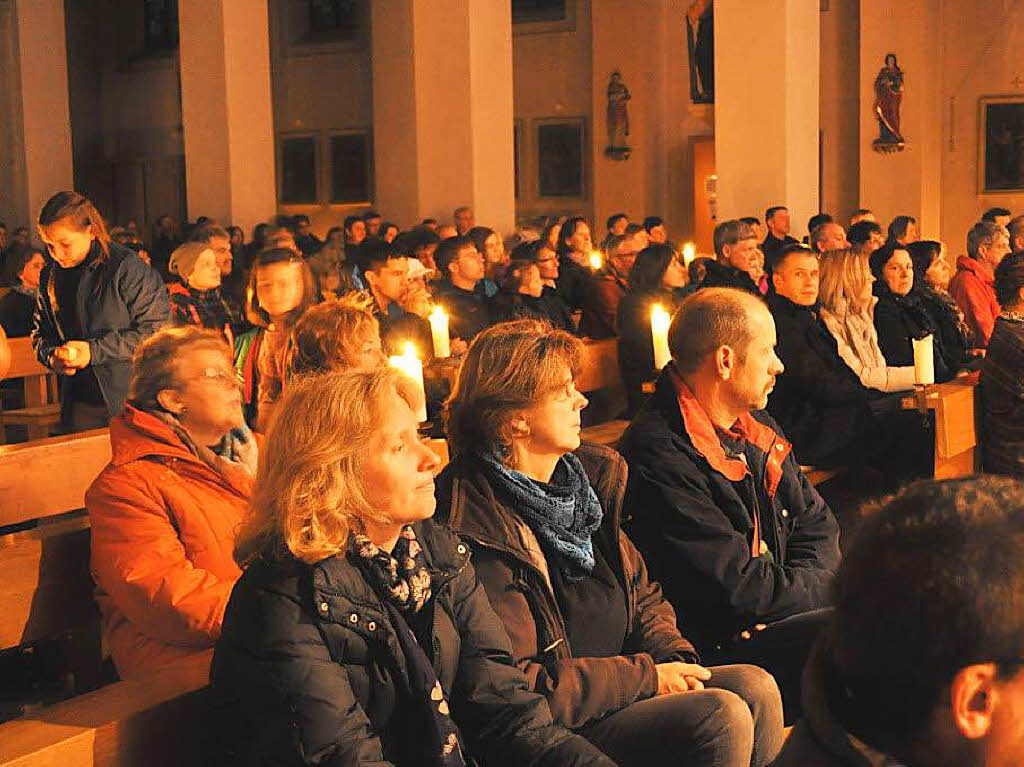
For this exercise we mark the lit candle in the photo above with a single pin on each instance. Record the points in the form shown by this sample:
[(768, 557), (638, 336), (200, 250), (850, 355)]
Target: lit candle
[(924, 361), (660, 320), (409, 364), (439, 330), (595, 260), (689, 253)]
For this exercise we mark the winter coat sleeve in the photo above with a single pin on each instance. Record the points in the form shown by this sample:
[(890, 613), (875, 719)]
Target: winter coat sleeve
[(806, 372), (505, 722), (148, 308), (893, 338), (45, 335), (975, 300), (140, 563)]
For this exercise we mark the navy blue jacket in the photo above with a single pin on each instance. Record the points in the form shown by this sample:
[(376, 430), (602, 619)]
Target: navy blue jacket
[(695, 526), (120, 302)]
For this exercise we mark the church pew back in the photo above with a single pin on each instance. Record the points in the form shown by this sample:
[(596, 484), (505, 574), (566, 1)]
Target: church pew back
[(957, 442)]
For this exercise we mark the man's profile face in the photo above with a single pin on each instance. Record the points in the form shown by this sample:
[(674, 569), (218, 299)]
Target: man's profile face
[(754, 376), (834, 239), (619, 225), (391, 279), (357, 233), (779, 223), (997, 251), (658, 234), (742, 255), (796, 278)]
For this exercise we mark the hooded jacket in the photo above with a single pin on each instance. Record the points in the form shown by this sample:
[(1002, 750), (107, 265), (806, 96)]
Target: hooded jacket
[(974, 290), (163, 531)]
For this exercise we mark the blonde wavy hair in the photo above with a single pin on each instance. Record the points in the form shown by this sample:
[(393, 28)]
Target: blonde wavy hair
[(309, 493), (329, 335), (845, 274)]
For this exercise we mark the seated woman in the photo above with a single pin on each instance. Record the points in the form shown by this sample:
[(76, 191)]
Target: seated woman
[(1002, 376), (340, 334), (900, 316), (543, 517), (654, 278), (522, 297), (848, 308), (358, 633), (196, 298), (18, 305), (163, 513), (281, 288), (931, 284)]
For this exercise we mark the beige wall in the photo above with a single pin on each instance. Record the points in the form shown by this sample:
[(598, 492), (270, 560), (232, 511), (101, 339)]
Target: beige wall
[(840, 101)]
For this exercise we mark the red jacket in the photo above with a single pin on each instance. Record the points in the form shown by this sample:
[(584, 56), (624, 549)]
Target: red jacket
[(973, 289), (163, 526)]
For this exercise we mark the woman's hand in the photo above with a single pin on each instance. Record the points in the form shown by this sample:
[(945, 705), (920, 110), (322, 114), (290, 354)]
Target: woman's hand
[(680, 677), (245, 451)]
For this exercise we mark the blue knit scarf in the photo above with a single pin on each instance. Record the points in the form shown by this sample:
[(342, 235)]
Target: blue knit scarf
[(563, 513)]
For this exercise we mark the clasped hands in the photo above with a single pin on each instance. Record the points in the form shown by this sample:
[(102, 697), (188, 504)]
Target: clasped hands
[(70, 358)]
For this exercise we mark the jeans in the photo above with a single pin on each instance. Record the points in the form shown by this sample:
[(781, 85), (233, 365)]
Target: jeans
[(735, 721)]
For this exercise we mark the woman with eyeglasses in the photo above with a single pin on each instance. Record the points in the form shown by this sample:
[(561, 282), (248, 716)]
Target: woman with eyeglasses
[(164, 511)]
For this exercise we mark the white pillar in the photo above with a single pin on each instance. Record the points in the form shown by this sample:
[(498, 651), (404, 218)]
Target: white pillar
[(442, 103), (766, 107), (227, 112)]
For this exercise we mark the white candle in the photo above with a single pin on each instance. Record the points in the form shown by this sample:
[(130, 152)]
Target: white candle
[(660, 320), (439, 331), (595, 260), (409, 364), (924, 361), (689, 253)]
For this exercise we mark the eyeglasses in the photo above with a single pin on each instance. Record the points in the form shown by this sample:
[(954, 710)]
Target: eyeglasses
[(221, 376)]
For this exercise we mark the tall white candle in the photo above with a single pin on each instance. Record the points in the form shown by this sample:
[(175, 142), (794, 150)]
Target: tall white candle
[(595, 260), (660, 320), (689, 253), (924, 361), (439, 331), (409, 364)]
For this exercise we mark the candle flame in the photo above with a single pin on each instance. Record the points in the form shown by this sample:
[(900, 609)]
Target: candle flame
[(595, 260), (437, 311), (689, 253)]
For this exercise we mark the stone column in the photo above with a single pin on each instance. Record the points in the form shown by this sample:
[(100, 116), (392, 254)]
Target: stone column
[(226, 109), (442, 110), (35, 137), (766, 107)]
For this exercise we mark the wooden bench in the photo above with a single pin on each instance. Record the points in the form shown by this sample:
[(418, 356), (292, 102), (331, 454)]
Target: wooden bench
[(957, 446), (41, 411)]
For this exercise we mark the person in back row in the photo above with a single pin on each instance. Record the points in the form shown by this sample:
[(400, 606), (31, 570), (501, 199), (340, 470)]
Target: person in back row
[(973, 285), (462, 268), (716, 500), (606, 289), (543, 516), (921, 662), (737, 252)]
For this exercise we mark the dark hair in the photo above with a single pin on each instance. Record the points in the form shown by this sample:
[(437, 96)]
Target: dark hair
[(350, 221), (817, 234), (426, 221), (1009, 279), (527, 251), (933, 582), (992, 213), (206, 232), (81, 214), (898, 226), (615, 217), (515, 274), (376, 254), (406, 244), (772, 211), (331, 231), (611, 248), (817, 220), (1015, 227), (652, 221), (479, 235), (568, 229), (778, 258), (425, 238), (860, 233), (751, 220), (923, 253), (649, 268), (15, 259), (730, 232), (370, 214), (880, 258), (255, 313), (448, 251), (301, 218), (706, 321)]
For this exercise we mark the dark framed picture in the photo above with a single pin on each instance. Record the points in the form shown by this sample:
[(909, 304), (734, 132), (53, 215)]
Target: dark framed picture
[(351, 167), (334, 20), (517, 143), (1001, 144), (533, 11), (560, 158), (298, 169)]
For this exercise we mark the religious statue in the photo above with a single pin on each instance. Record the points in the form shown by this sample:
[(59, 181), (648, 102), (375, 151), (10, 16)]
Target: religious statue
[(888, 97), (618, 119), (700, 40)]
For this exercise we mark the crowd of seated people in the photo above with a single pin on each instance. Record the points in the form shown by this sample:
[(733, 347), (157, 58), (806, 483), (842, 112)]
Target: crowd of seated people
[(657, 602)]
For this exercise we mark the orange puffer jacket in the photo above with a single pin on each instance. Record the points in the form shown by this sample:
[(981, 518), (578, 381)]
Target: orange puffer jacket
[(163, 525)]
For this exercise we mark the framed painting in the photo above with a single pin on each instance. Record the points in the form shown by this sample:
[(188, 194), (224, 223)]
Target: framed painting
[(351, 168), (561, 171), (1001, 145), (297, 172)]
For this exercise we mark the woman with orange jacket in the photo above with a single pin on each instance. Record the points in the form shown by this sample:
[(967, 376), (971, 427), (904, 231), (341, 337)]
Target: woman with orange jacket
[(164, 511)]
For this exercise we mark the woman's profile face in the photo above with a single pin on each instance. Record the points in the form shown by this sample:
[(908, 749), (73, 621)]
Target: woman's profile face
[(208, 389), (938, 273), (674, 276), (553, 424), (68, 246), (398, 468)]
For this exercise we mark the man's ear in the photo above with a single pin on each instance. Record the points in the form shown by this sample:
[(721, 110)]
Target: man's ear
[(170, 401), (725, 362), (973, 699)]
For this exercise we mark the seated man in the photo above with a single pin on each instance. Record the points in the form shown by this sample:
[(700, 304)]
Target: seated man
[(776, 219), (716, 501), (921, 661), (387, 278), (973, 285), (736, 249), (462, 268), (606, 290)]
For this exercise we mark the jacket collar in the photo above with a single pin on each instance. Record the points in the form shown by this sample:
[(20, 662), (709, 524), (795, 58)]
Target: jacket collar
[(980, 270), (136, 434)]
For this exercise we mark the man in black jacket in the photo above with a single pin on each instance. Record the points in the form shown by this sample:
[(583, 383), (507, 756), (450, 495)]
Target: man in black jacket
[(776, 218), (716, 501), (462, 268), (738, 259)]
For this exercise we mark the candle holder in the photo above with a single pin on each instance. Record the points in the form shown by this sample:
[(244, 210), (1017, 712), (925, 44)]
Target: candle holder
[(921, 398)]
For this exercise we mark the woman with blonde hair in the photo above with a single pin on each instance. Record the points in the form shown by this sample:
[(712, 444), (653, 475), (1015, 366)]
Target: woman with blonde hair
[(543, 516), (847, 309), (357, 618), (339, 334)]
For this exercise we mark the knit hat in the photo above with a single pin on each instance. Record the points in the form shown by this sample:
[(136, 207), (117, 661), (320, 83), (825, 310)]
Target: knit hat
[(183, 259)]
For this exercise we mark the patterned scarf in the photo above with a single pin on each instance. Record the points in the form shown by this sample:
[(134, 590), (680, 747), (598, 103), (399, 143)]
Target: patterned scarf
[(563, 513), (403, 582)]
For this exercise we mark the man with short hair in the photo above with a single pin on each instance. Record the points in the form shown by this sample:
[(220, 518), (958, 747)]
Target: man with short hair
[(462, 268), (372, 219), (1015, 229), (738, 260), (617, 223), (973, 285), (922, 662), (232, 277), (862, 214), (605, 291), (308, 242), (828, 236), (997, 216), (655, 229), (463, 220), (760, 231), (865, 237), (818, 219), (776, 218), (716, 501), (387, 278), (903, 230)]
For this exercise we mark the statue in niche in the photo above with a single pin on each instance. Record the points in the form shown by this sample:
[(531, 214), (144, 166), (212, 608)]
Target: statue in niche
[(888, 97), (700, 40), (618, 119)]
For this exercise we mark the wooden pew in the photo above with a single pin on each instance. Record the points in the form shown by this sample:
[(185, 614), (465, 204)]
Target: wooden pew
[(41, 411), (957, 446)]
